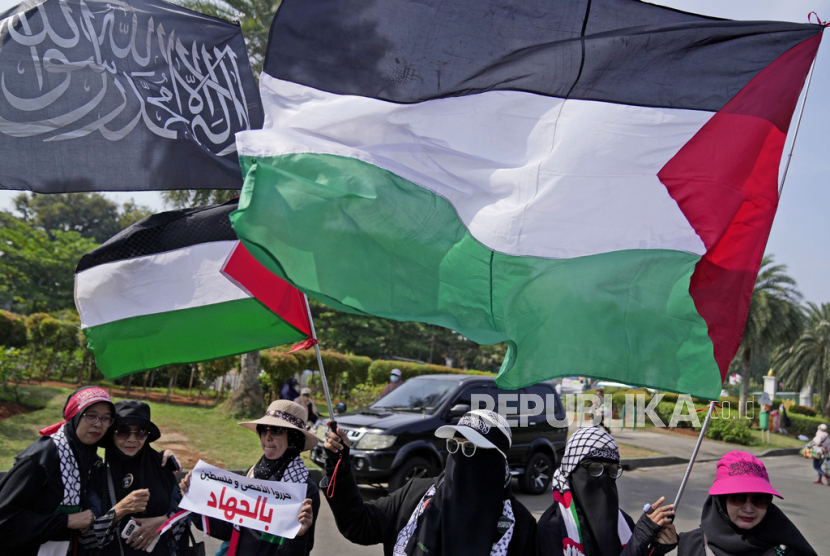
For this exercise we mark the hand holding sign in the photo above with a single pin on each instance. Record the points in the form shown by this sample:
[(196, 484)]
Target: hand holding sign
[(274, 507)]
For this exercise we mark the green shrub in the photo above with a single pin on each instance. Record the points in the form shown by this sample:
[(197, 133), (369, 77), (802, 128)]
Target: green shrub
[(12, 329), (802, 410), (735, 431), (803, 424), (380, 369)]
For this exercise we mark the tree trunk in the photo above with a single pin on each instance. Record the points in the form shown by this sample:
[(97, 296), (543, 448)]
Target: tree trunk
[(173, 376), (246, 401), (83, 366), (91, 369), (192, 374), (129, 384), (144, 385), (746, 357)]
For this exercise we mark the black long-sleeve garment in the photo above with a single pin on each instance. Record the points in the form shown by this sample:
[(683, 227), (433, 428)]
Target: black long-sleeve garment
[(30, 494), (380, 521)]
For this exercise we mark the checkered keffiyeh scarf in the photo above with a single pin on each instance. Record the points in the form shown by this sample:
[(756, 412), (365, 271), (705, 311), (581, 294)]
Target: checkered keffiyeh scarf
[(590, 442)]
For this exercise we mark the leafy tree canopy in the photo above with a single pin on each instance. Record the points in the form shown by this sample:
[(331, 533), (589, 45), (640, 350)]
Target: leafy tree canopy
[(92, 215), (37, 269)]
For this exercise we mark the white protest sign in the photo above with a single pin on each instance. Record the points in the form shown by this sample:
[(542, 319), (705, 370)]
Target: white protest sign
[(269, 506)]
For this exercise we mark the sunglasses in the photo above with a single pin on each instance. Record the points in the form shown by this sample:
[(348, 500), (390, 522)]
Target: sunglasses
[(467, 447), (275, 431), (596, 469), (124, 434), (757, 499), (92, 419)]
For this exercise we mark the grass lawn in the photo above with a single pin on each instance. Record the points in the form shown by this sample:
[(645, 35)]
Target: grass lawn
[(17, 432), (629, 451)]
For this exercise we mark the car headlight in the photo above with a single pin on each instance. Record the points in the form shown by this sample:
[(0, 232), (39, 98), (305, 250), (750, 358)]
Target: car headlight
[(372, 441), (321, 432)]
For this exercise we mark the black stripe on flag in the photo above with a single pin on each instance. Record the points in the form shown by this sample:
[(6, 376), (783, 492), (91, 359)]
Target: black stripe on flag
[(115, 95), (619, 51), (166, 231)]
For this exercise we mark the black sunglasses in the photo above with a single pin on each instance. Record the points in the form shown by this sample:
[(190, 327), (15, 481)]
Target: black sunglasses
[(757, 499), (123, 434), (596, 469), (264, 429)]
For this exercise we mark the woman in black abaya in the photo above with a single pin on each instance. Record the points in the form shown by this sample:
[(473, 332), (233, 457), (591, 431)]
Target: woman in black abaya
[(135, 484), (43, 501), (585, 517)]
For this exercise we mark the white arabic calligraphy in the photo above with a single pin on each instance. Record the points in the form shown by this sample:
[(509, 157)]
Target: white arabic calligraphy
[(60, 51)]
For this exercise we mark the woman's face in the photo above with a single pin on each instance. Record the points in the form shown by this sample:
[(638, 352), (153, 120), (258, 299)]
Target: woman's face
[(90, 433), (274, 442), (742, 512), (129, 439)]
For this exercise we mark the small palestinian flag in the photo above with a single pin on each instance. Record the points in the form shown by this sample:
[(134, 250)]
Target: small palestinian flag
[(166, 290), (591, 182)]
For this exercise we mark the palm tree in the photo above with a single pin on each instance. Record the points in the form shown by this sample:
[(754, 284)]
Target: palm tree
[(774, 318), (807, 360)]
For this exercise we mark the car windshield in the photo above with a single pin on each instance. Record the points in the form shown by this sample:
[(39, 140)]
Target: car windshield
[(417, 395)]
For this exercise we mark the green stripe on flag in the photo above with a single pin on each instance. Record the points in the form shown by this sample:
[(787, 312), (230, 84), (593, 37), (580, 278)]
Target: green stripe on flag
[(187, 335), (362, 239)]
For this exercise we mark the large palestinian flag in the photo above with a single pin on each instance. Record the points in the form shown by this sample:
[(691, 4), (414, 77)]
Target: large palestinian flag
[(178, 287), (591, 181)]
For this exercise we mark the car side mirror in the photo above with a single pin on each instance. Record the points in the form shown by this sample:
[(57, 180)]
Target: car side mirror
[(458, 410)]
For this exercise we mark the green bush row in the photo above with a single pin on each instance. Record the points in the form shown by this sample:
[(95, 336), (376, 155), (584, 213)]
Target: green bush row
[(380, 370)]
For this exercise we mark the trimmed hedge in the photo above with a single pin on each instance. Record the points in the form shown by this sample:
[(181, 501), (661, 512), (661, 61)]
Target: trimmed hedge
[(12, 329), (380, 370), (802, 424), (802, 410)]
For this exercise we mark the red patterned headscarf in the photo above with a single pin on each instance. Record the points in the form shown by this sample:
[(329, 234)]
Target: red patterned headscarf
[(76, 403)]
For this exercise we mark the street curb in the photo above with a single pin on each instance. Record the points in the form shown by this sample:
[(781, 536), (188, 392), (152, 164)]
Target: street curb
[(662, 461)]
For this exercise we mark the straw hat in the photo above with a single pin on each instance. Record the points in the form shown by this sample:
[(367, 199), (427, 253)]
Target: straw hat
[(286, 414)]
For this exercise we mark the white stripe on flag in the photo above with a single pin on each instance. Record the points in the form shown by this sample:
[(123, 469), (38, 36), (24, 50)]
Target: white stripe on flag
[(180, 279), (529, 175)]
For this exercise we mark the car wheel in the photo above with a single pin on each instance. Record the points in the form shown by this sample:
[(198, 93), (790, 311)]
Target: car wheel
[(538, 474), (412, 468)]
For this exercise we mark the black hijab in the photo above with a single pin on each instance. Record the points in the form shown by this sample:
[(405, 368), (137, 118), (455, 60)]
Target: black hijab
[(463, 516), (143, 469), (726, 539), (597, 506), (273, 469)]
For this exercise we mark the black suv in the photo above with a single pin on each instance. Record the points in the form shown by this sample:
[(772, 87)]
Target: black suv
[(393, 440)]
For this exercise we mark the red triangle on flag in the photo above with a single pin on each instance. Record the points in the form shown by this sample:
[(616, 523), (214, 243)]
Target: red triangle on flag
[(725, 180), (266, 287)]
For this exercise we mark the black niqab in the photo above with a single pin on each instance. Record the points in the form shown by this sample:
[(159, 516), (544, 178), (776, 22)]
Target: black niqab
[(462, 517), (597, 506)]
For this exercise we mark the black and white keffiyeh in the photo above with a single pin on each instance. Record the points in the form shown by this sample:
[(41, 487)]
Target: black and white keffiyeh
[(589, 442), (70, 476)]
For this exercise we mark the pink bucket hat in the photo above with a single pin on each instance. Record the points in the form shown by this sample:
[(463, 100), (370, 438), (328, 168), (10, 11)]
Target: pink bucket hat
[(741, 472)]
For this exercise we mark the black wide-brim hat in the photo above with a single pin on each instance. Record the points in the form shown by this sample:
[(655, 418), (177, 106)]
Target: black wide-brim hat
[(136, 413)]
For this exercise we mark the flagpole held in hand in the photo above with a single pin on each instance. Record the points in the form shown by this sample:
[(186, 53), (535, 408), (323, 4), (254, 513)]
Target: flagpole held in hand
[(694, 456), (332, 424)]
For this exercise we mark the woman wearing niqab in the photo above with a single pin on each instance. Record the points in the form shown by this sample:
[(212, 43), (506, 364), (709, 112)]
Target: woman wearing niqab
[(585, 518)]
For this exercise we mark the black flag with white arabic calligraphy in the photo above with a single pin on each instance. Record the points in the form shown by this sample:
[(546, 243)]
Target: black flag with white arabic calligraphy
[(121, 96)]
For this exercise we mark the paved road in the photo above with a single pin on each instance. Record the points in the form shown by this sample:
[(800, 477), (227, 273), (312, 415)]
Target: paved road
[(791, 475)]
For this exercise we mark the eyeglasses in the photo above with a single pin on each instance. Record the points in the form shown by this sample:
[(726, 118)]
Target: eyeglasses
[(759, 500), (275, 431), (467, 447), (91, 419), (124, 434), (596, 469)]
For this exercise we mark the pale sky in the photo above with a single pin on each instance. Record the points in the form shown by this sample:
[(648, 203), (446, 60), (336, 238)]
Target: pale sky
[(800, 236)]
